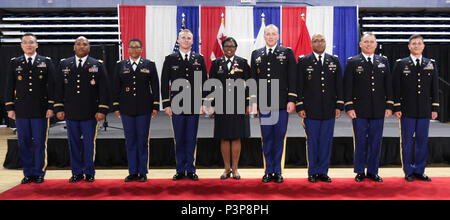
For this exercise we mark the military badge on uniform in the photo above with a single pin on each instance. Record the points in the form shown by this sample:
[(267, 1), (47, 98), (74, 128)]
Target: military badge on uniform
[(145, 70), (66, 70), (127, 89), (258, 60), (19, 68), (93, 69), (41, 76), (93, 82), (381, 65), (309, 76), (19, 78), (429, 66), (42, 65), (360, 69)]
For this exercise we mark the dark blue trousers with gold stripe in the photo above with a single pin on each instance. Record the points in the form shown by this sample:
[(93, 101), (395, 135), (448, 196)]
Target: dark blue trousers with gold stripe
[(85, 147), (137, 137), (368, 133), (319, 141), (274, 141), (185, 129), (409, 127), (33, 132)]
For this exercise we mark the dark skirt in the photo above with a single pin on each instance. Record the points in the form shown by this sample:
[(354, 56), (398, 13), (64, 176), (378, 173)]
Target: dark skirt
[(231, 126)]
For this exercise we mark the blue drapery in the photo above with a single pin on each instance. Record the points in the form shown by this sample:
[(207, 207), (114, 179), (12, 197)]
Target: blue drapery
[(191, 22), (272, 14), (345, 33)]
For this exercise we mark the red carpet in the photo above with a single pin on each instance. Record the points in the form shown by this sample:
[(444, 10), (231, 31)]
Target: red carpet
[(244, 189)]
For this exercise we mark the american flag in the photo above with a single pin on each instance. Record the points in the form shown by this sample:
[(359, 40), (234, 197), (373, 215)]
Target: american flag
[(176, 48)]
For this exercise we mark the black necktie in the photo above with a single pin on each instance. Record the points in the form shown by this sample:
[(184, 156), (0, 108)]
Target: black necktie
[(418, 64), (370, 61), (270, 51), (186, 58), (79, 63), (320, 60), (30, 63)]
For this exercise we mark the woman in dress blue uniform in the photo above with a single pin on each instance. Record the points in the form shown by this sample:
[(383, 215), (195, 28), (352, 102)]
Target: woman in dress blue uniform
[(136, 101), (230, 127)]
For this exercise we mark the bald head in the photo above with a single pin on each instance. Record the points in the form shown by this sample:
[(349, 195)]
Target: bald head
[(271, 35), (82, 47), (318, 43)]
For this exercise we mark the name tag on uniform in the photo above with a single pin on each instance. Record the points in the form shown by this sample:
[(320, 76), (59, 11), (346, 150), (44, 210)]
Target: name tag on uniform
[(42, 65), (126, 70), (93, 69), (175, 67), (381, 65), (309, 69)]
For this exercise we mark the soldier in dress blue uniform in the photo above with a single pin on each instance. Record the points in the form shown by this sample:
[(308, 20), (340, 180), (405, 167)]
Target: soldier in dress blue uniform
[(29, 100), (320, 102), (136, 101), (416, 101), (82, 99), (230, 127), (270, 63), (368, 100), (187, 66)]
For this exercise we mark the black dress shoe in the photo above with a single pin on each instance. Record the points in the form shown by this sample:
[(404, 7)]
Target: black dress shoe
[(76, 178), (192, 176), (225, 175), (38, 179), (360, 177), (131, 178), (278, 178), (409, 178), (312, 178), (375, 178), (236, 176), (90, 178), (142, 178), (267, 178), (324, 178), (27, 179), (422, 177), (178, 176)]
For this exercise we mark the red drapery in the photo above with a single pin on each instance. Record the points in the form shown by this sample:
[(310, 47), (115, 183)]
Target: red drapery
[(304, 41), (132, 25), (291, 25), (210, 23)]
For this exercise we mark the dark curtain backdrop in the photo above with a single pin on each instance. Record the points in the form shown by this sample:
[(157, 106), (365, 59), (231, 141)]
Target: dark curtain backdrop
[(439, 52)]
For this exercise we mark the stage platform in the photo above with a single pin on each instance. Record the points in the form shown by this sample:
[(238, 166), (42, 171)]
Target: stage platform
[(111, 152)]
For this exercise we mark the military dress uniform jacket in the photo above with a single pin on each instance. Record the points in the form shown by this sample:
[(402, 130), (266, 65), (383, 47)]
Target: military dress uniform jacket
[(174, 68), (239, 69), (136, 92), (416, 90), (282, 66), (320, 87), (30, 91), (81, 92), (368, 88)]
